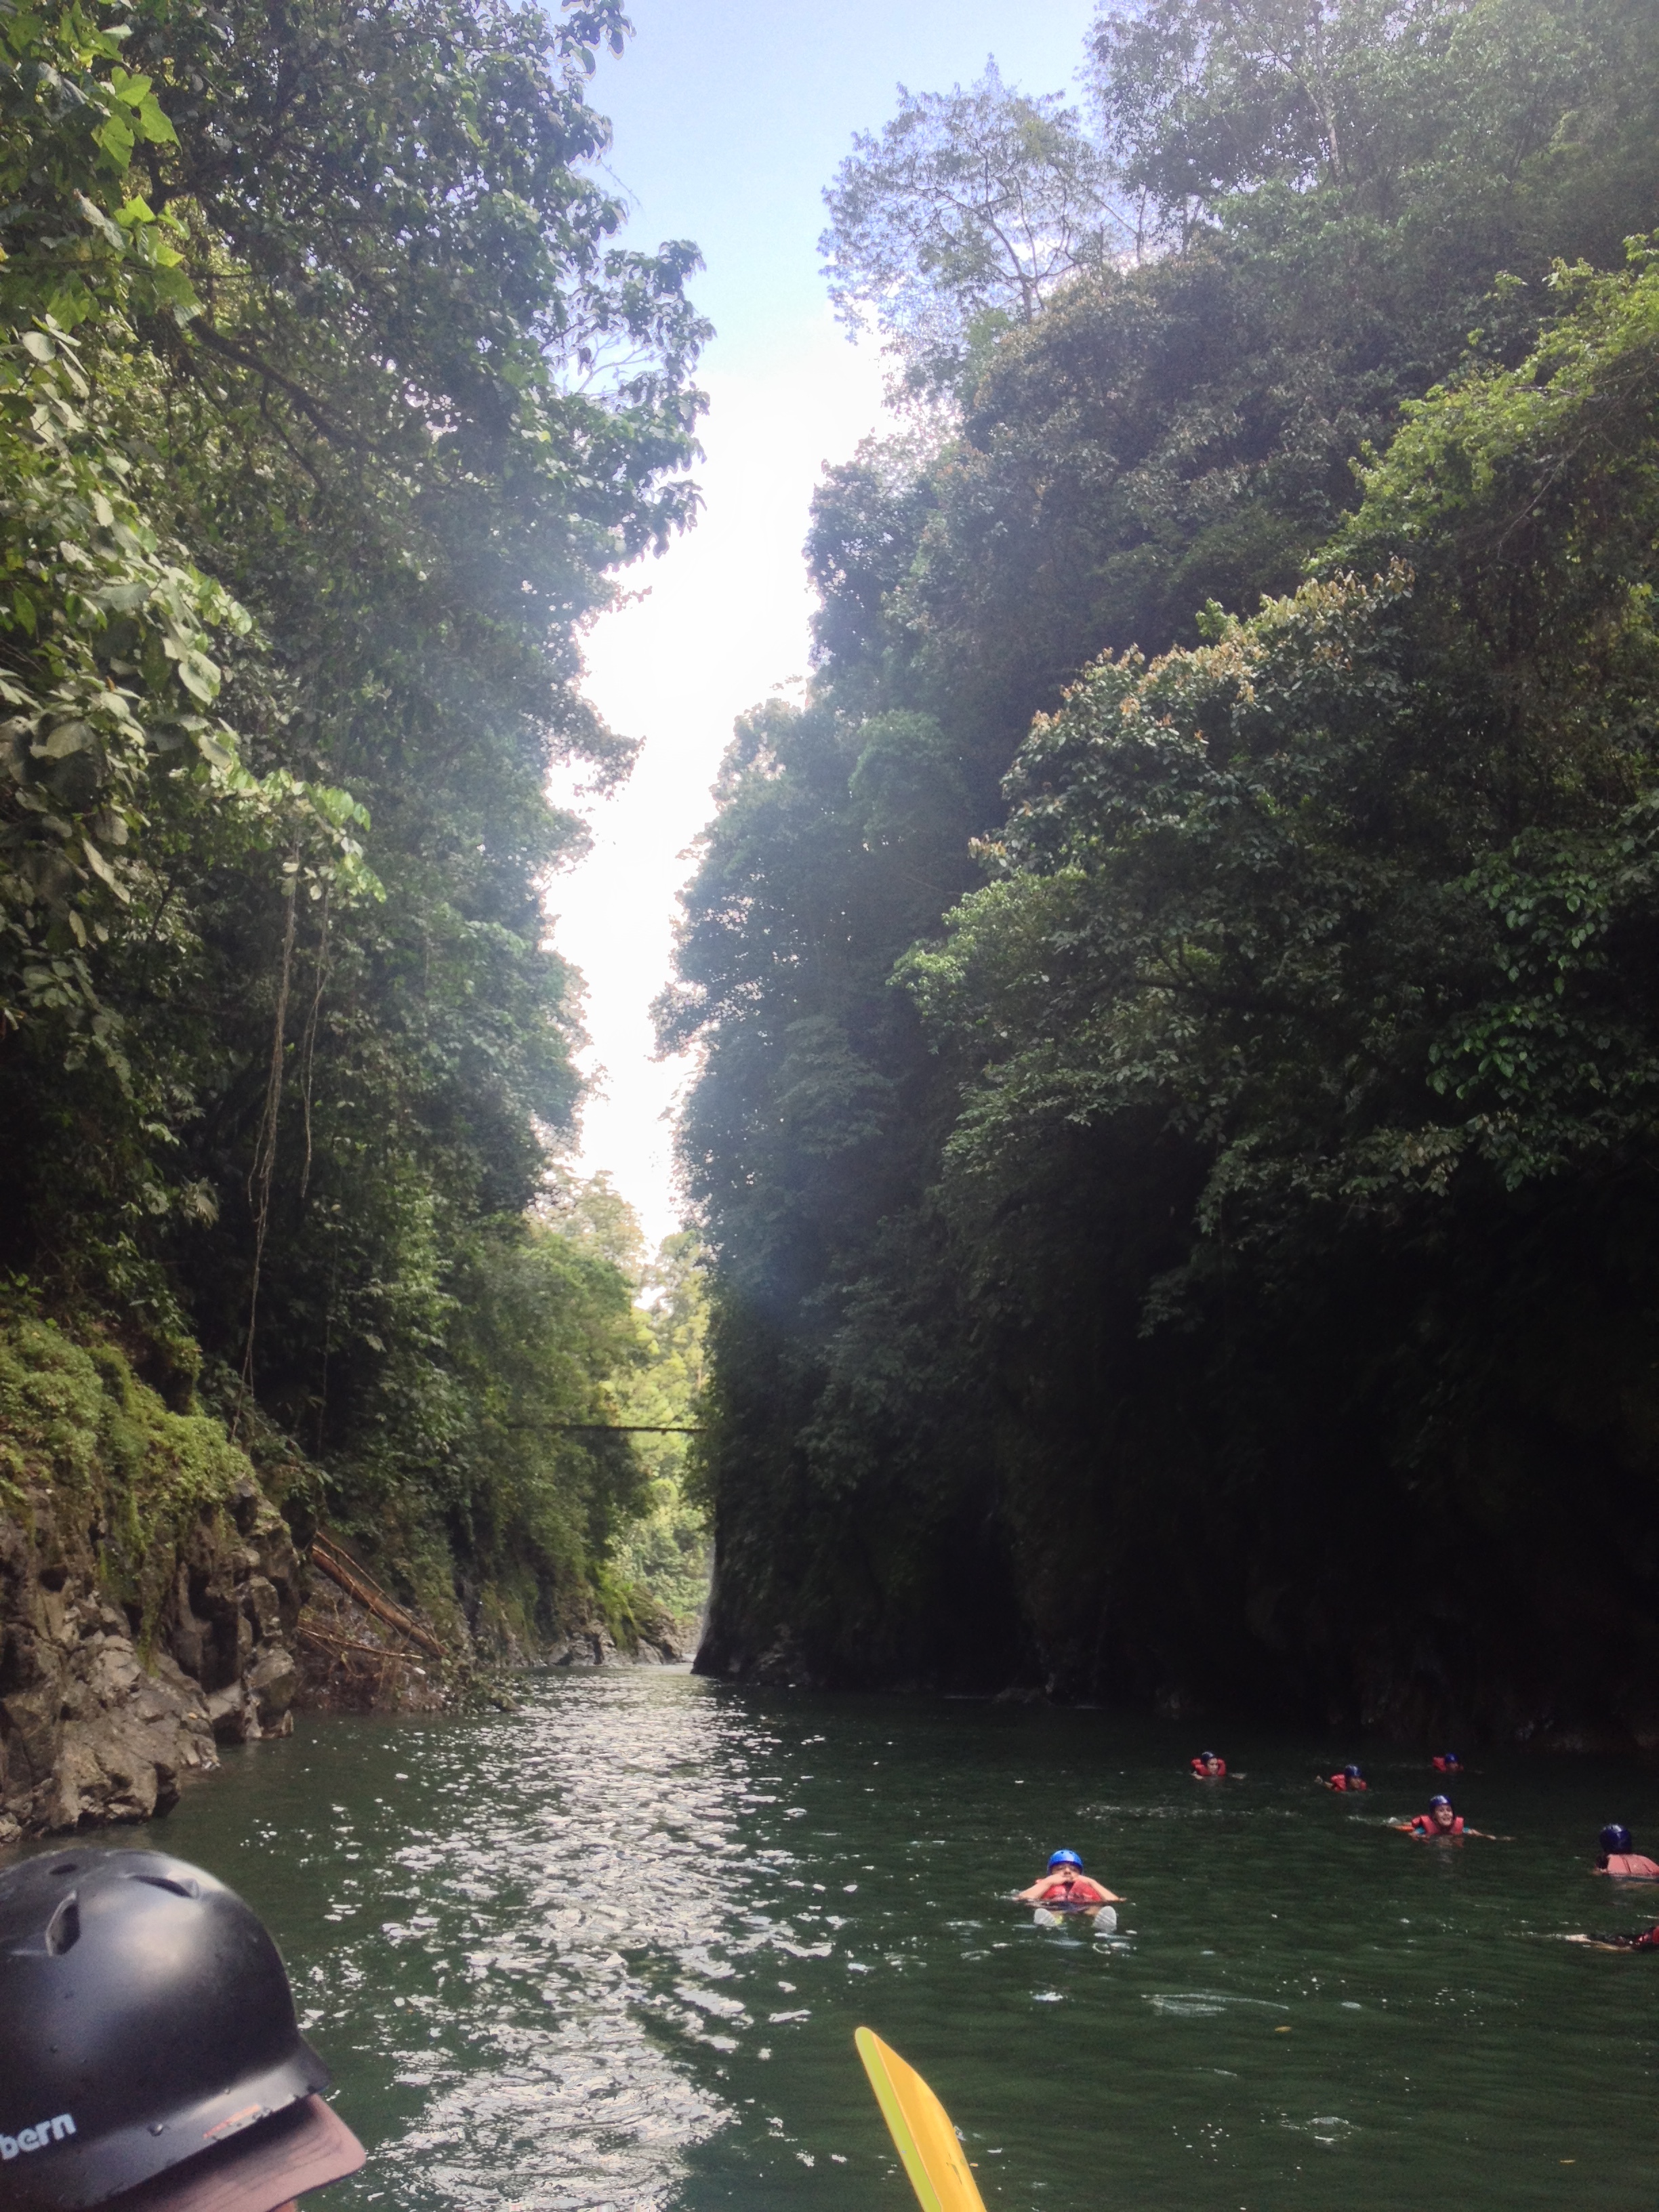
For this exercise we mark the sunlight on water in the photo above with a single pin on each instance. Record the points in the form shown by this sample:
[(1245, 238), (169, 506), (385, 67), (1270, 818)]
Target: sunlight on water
[(609, 1952)]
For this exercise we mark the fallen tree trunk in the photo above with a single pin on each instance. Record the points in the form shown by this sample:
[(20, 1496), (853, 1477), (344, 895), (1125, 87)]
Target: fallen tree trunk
[(353, 1580)]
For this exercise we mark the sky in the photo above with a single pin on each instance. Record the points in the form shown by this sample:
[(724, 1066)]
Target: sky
[(730, 118)]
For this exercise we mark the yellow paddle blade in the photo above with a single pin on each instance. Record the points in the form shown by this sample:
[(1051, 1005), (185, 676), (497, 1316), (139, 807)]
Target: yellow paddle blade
[(920, 2127)]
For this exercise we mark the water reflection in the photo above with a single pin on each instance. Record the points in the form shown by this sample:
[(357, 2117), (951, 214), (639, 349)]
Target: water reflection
[(515, 2014)]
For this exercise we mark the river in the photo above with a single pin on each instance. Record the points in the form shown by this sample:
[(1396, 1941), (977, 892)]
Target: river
[(610, 1951)]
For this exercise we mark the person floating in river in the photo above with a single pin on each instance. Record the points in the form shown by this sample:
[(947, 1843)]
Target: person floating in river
[(1350, 1778), (1440, 1824), (150, 2060), (1449, 1763), (1066, 1885), (1210, 1766), (1645, 1939), (1620, 1858)]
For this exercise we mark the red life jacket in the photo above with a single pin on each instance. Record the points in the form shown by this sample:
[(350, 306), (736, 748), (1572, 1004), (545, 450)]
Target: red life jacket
[(1631, 1866), (1200, 1768), (1084, 1890), (1448, 1766), (1426, 1824), (1342, 1782)]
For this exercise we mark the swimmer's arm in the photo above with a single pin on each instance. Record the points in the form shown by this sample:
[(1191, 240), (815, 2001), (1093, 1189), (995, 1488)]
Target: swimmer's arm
[(1409, 1827), (1034, 1893), (1107, 1897)]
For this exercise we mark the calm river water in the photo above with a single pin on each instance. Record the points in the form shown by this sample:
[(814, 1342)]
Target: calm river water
[(611, 1950)]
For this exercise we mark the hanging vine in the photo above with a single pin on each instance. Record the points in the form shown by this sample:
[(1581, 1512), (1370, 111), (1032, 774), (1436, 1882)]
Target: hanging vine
[(309, 1050), (261, 1172)]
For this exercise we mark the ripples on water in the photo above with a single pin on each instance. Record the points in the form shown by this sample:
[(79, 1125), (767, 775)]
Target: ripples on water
[(610, 1951)]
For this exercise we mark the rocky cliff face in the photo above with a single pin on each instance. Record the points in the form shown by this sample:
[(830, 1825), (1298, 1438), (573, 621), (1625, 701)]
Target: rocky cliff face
[(148, 1590), (151, 1597)]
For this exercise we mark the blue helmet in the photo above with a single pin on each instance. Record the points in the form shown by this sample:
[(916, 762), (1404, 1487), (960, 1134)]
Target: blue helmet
[(1450, 1759), (1615, 1839), (1204, 1758), (1353, 1774), (1433, 1802), (1065, 1858)]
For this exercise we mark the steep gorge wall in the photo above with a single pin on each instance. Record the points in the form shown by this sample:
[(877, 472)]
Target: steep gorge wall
[(1511, 1597), (153, 1608), (149, 1589)]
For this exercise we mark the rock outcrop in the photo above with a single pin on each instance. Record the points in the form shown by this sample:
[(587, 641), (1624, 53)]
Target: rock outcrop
[(236, 1599), (148, 1590), (591, 1644), (151, 1598), (96, 1725)]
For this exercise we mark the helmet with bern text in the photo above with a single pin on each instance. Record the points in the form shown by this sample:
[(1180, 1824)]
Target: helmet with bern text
[(146, 2021)]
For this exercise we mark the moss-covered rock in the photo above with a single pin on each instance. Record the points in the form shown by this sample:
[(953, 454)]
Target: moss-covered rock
[(147, 1586)]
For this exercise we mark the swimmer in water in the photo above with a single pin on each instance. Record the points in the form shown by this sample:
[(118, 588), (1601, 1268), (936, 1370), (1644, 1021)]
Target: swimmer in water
[(1066, 1885), (1620, 1859), (1350, 1778), (1440, 1824), (1449, 1763), (1210, 1766), (1645, 1939)]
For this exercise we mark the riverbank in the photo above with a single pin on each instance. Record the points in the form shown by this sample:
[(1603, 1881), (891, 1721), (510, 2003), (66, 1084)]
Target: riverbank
[(155, 1609), (149, 1589)]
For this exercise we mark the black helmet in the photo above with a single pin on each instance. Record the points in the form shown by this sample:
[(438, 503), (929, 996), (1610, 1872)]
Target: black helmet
[(145, 2018)]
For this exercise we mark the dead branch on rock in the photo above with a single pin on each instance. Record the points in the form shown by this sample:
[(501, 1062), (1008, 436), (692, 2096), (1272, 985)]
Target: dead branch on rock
[(340, 1568)]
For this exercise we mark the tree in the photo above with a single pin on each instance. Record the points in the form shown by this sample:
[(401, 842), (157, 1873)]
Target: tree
[(1316, 1073), (1202, 101), (1372, 101), (1143, 1201), (668, 1551), (961, 219), (350, 406), (108, 631)]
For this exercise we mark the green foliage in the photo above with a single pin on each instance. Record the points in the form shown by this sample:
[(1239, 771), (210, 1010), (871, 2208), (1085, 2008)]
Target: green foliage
[(79, 1429), (1181, 425), (666, 1551), (106, 639), (541, 1326), (331, 403), (1317, 994), (960, 220), (71, 117), (540, 1357), (1208, 1256), (1366, 106)]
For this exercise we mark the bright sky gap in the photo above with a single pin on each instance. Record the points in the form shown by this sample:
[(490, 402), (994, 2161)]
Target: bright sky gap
[(729, 120)]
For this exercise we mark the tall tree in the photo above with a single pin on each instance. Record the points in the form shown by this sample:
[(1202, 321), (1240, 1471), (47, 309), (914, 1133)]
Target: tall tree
[(366, 405), (1314, 1085), (940, 1274), (961, 219)]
